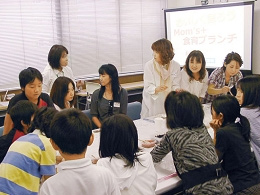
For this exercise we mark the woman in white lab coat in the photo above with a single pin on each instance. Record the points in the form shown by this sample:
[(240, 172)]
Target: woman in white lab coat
[(161, 75)]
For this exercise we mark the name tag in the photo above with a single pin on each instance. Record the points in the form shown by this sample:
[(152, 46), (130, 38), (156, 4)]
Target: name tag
[(117, 104)]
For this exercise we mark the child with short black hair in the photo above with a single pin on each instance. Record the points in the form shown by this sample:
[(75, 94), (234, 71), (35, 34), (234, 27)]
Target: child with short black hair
[(133, 169), (71, 134), (30, 159), (31, 84), (21, 115)]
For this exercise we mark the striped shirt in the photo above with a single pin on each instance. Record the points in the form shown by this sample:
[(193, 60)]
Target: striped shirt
[(27, 160), (192, 149)]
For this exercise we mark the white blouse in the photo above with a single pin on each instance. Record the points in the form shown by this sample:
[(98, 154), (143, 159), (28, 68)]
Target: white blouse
[(50, 75), (197, 88)]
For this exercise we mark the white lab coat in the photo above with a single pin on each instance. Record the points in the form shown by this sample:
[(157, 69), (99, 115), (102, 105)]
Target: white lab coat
[(153, 104)]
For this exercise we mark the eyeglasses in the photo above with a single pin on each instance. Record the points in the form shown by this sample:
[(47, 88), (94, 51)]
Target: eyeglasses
[(110, 108)]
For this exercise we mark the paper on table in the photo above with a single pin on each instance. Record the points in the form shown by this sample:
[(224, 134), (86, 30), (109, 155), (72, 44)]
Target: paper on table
[(4, 103), (160, 125)]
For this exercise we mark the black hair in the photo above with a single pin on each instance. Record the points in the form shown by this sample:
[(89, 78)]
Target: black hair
[(232, 56), (183, 109), (250, 86), (111, 70), (59, 91), (42, 120), (23, 110), (198, 55), (71, 131), (55, 54), (119, 136), (28, 75), (229, 107)]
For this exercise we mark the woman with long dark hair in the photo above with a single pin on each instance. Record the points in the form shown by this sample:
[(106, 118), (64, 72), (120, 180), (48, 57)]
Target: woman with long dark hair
[(111, 98)]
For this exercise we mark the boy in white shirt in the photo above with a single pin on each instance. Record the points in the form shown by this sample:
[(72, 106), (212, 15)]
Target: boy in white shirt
[(71, 134)]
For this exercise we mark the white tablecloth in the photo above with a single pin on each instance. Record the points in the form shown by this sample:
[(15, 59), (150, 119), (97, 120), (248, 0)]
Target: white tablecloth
[(167, 176)]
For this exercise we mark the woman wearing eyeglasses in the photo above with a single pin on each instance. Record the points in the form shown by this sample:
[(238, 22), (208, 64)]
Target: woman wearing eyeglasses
[(111, 98)]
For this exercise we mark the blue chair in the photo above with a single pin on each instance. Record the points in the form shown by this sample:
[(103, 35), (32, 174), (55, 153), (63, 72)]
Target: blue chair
[(134, 110), (87, 113), (1, 130)]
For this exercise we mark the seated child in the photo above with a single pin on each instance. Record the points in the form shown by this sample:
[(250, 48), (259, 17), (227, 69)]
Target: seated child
[(71, 134), (29, 159), (21, 115), (191, 146), (248, 96), (133, 169), (232, 135), (63, 93), (31, 84)]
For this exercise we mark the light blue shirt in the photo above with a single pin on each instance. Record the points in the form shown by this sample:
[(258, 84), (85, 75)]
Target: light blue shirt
[(253, 115)]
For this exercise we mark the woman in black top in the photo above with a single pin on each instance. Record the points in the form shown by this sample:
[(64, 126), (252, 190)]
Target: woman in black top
[(231, 138)]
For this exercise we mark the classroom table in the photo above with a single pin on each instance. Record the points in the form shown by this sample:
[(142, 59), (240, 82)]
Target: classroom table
[(167, 177), (4, 105), (3, 109), (132, 88), (166, 173)]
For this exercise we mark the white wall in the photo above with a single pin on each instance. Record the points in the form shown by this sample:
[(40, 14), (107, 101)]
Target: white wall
[(256, 46), (256, 33)]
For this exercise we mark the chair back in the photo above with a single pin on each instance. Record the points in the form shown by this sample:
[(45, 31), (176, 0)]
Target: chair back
[(134, 110)]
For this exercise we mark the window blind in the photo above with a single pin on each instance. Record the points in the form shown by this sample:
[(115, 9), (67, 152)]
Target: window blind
[(94, 31), (28, 28)]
